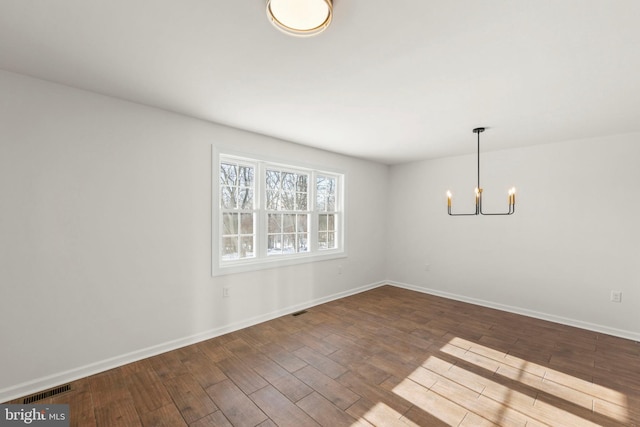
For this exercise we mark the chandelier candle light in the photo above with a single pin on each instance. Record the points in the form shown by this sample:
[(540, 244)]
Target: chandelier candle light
[(511, 199)]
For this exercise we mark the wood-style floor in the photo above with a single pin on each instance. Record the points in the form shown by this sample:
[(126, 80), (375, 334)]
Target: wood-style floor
[(386, 357)]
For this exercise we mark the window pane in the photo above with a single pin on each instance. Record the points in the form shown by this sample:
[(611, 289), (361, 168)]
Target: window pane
[(331, 240), (275, 223), (289, 223), (287, 200), (322, 222), (246, 176), (322, 240), (301, 201), (223, 174), (274, 244), (236, 186), (246, 247), (288, 182), (331, 222), (286, 191), (288, 243), (325, 193), (331, 203), (302, 185), (245, 198), (229, 223), (229, 174), (273, 199), (246, 223), (329, 185), (303, 240), (228, 197), (303, 223), (229, 248), (273, 180), (321, 204)]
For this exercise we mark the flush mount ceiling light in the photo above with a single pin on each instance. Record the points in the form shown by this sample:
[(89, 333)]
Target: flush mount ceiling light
[(300, 17), (512, 193)]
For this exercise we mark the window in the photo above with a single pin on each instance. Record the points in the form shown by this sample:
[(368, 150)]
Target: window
[(237, 190), (327, 211), (270, 214), (287, 202)]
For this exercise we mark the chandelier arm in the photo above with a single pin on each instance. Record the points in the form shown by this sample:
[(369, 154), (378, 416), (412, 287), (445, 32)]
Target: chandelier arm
[(512, 209), (504, 213), (477, 212), (461, 214)]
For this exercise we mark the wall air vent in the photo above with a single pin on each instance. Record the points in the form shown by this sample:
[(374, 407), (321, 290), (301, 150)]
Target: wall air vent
[(45, 394)]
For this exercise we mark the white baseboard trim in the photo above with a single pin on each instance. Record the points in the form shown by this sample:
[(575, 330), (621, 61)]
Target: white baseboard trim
[(50, 381), (634, 336)]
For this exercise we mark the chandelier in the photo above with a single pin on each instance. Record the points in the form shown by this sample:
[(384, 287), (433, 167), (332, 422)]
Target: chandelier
[(512, 192)]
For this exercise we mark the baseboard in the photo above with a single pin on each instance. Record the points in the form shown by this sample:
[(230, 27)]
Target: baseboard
[(44, 383), (634, 336)]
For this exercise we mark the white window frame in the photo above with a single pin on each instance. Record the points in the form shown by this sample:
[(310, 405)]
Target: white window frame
[(262, 260)]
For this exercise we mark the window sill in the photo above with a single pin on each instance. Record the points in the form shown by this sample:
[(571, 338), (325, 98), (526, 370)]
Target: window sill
[(234, 267)]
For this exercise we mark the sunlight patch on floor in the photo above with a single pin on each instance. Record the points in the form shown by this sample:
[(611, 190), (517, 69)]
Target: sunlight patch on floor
[(473, 378), (430, 402), (383, 415), (557, 383)]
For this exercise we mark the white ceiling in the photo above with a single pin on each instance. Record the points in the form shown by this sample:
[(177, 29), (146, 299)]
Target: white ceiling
[(391, 81)]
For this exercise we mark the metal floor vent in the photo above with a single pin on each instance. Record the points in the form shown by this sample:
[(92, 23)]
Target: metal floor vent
[(45, 394), (298, 313)]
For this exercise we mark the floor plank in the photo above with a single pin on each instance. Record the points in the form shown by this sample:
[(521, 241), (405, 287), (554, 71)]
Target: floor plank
[(335, 392), (189, 397), (280, 409), (325, 412), (236, 406)]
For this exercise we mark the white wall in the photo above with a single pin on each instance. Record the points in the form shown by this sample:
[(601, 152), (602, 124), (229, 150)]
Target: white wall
[(105, 232), (575, 235)]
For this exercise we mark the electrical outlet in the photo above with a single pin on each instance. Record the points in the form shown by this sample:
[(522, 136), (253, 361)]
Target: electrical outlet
[(616, 296), (427, 267), (225, 292), (339, 269)]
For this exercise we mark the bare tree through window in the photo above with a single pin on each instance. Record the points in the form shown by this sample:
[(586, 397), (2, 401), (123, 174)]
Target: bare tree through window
[(287, 212), (237, 188), (327, 212)]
